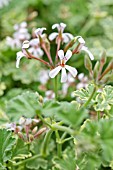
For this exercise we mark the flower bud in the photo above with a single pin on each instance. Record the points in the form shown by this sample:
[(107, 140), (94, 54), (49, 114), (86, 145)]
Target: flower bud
[(88, 64), (96, 70), (40, 132), (103, 58), (34, 130), (31, 137), (20, 135)]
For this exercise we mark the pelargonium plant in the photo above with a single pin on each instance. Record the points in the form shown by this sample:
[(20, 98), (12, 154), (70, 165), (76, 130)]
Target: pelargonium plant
[(46, 133), (35, 48)]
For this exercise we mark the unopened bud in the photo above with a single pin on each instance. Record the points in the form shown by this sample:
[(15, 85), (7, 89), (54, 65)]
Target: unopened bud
[(40, 132), (96, 70), (25, 44), (34, 130), (20, 135), (40, 99), (31, 138), (88, 64), (103, 58)]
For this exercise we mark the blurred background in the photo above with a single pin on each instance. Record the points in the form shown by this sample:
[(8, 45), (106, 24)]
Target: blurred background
[(93, 20)]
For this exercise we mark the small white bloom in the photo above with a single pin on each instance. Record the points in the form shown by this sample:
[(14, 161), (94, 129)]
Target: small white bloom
[(39, 31), (83, 81), (49, 95), (20, 54), (63, 67), (66, 85), (82, 47), (35, 48), (66, 37)]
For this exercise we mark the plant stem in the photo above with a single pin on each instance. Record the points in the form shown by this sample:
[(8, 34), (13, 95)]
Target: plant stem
[(58, 47), (47, 53), (63, 128), (98, 115), (59, 144), (42, 119), (46, 142), (55, 87), (91, 96)]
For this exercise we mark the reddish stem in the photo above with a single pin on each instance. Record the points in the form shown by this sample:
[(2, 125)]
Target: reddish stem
[(47, 53), (58, 47), (30, 56)]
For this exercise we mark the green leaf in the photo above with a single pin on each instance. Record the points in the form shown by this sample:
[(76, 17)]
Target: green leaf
[(20, 150), (23, 105), (37, 164), (6, 145), (67, 161), (66, 112), (104, 100), (84, 94)]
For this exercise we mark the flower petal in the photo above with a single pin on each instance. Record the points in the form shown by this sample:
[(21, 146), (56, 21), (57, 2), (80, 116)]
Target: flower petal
[(65, 38), (55, 71), (55, 26), (53, 36), (39, 31), (68, 55), (61, 54), (69, 35), (20, 54), (25, 44), (63, 75), (81, 40), (72, 70), (88, 52)]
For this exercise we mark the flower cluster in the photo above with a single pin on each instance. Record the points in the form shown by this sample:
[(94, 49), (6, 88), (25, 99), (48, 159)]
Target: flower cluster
[(26, 129), (20, 34), (35, 49)]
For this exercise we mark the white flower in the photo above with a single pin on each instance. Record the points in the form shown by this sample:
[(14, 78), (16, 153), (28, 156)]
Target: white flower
[(39, 32), (82, 47), (20, 54), (66, 85), (83, 81), (35, 48), (49, 95), (66, 37), (63, 67)]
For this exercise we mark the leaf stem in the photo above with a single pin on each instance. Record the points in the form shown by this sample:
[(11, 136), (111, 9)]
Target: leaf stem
[(91, 96), (46, 142)]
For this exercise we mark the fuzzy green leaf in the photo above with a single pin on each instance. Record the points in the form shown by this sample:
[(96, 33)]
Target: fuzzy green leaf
[(23, 105), (36, 164), (6, 145)]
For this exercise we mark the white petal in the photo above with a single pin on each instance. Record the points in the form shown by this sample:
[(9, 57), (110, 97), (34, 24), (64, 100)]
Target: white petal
[(25, 44), (39, 52), (65, 38), (72, 70), (34, 42), (61, 54), (81, 76), (62, 25), (88, 52), (68, 55), (63, 75), (19, 56), (53, 36), (55, 26), (55, 71), (23, 24), (69, 35), (81, 40), (39, 31)]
